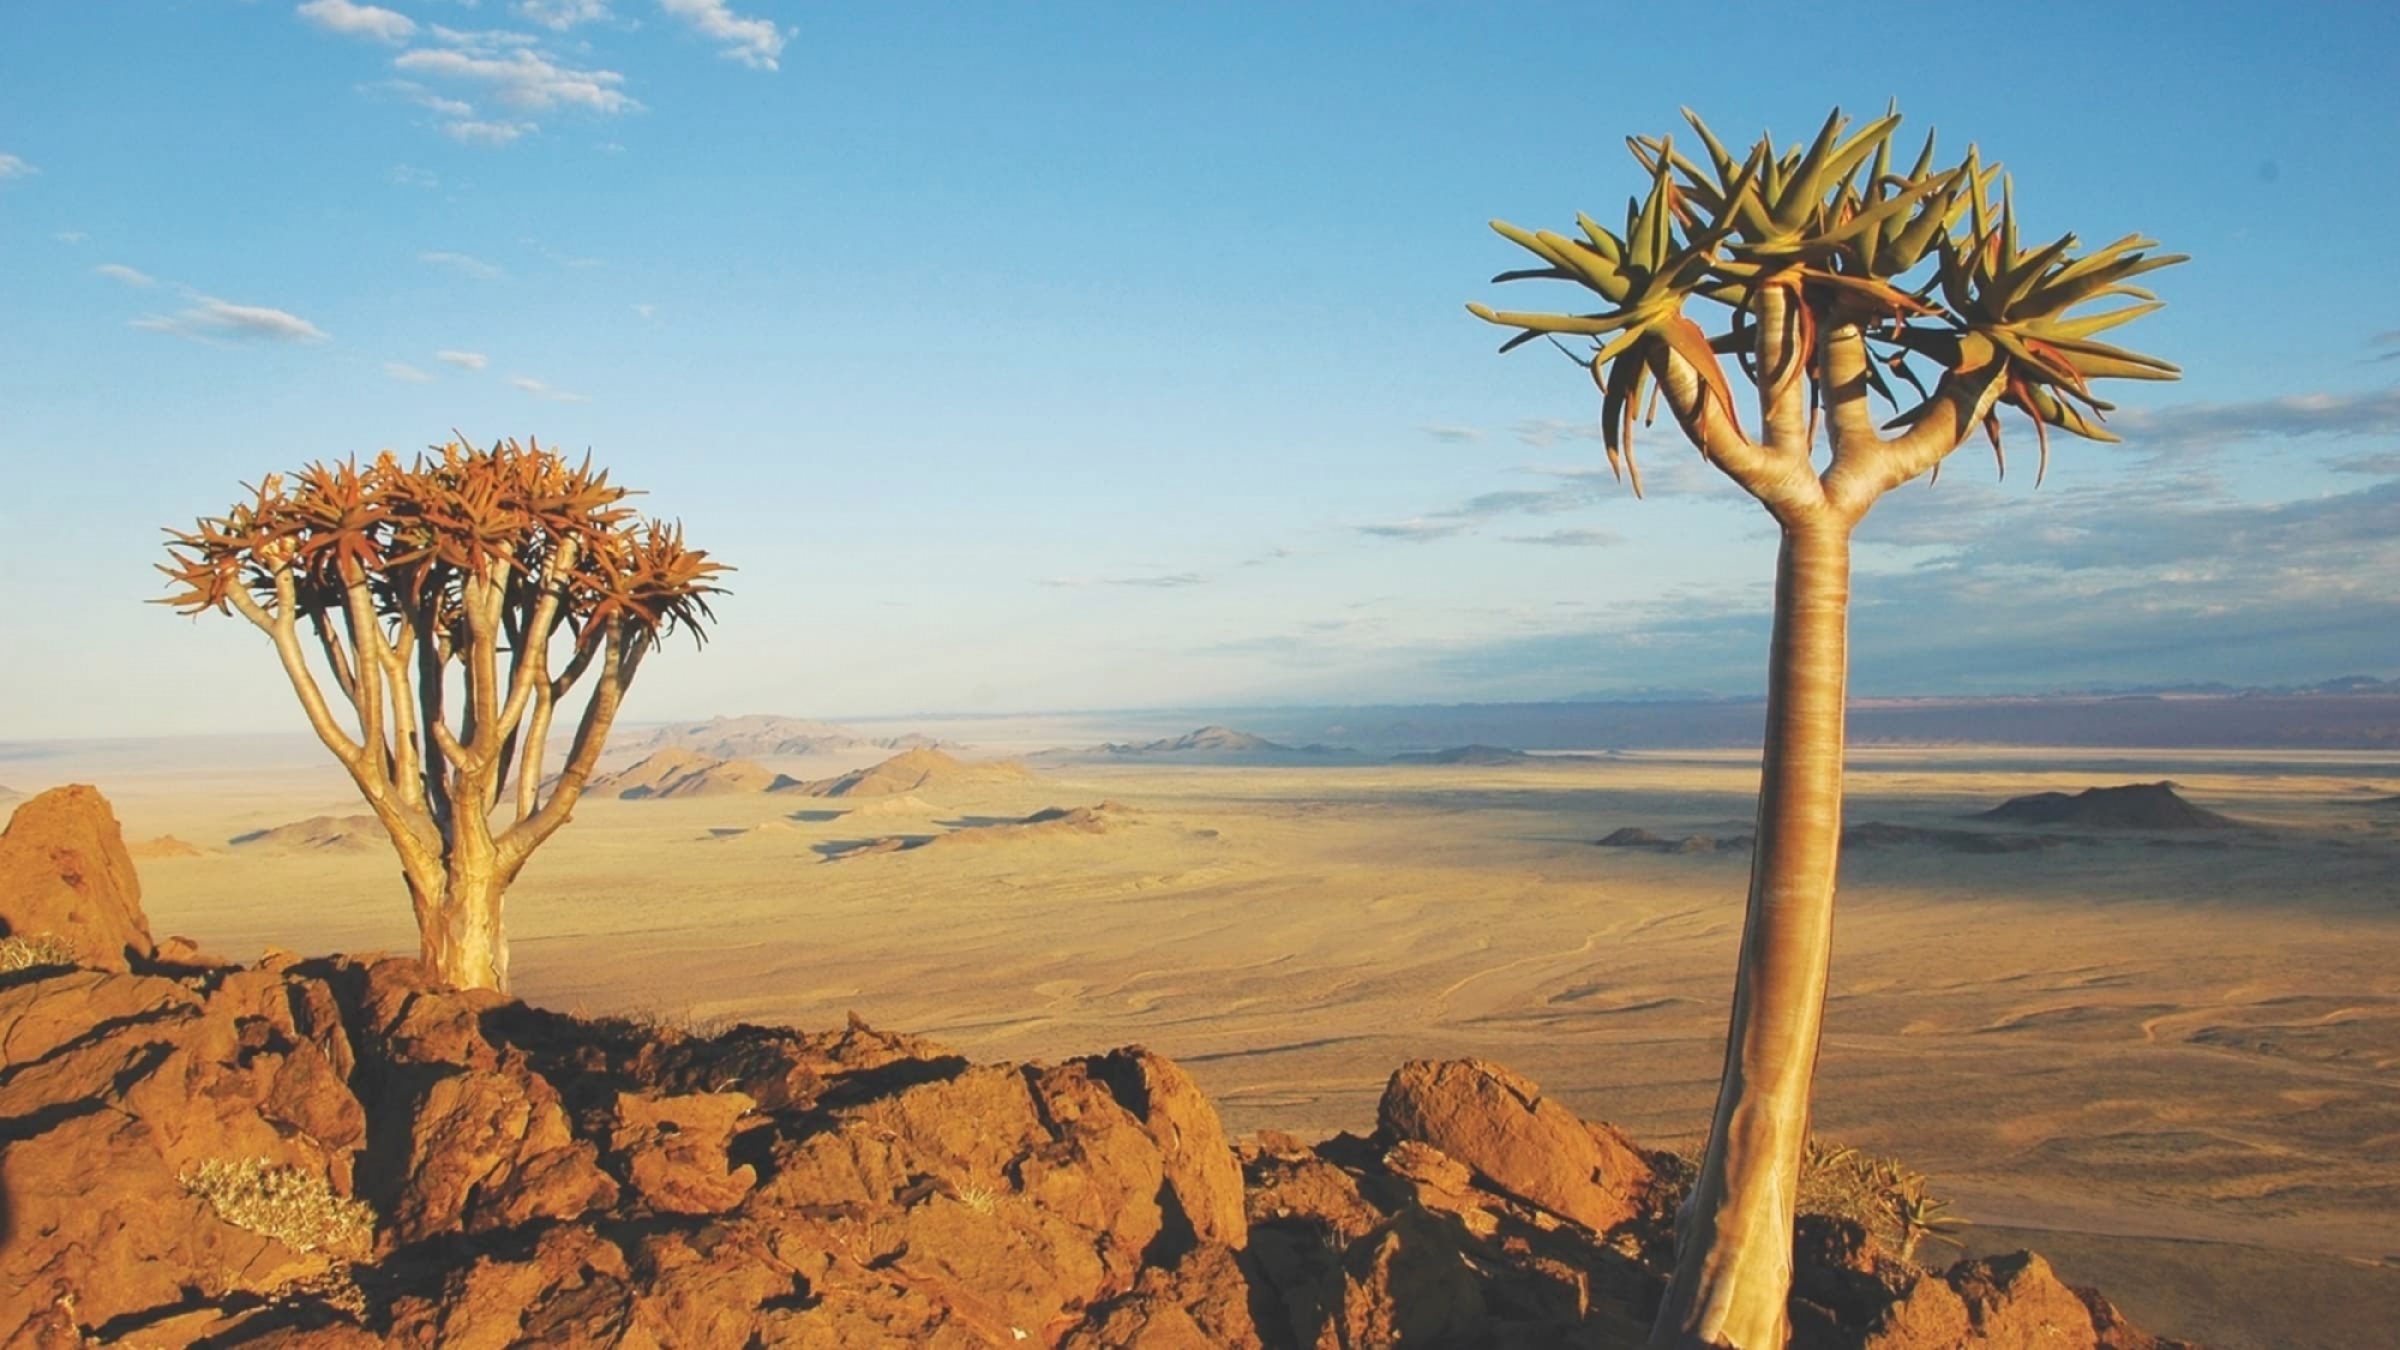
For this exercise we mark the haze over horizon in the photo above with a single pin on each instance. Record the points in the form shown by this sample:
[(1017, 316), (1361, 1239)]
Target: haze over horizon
[(1101, 358)]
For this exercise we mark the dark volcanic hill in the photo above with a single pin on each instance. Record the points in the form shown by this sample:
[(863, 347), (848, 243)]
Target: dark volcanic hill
[(1465, 754), (1211, 740), (2134, 806)]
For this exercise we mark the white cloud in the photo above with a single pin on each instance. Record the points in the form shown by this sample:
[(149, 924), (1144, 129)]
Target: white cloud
[(405, 373), (487, 133), (214, 318), (408, 175), (520, 76), (70, 236), (646, 311), (120, 272), (561, 15), (464, 265), (540, 390), (354, 20), (756, 43), (1571, 538), (463, 360), (14, 166)]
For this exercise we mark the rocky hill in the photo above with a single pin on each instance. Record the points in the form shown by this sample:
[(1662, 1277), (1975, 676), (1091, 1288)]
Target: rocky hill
[(911, 771), (2134, 806), (338, 1153), (685, 773), (337, 834)]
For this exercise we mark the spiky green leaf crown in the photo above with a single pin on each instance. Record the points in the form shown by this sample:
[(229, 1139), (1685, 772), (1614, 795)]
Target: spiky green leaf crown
[(1925, 262)]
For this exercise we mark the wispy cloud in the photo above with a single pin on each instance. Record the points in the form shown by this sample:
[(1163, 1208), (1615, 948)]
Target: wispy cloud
[(561, 15), (756, 43), (1452, 435), (1570, 538), (70, 236), (14, 166), (1167, 581), (1417, 531), (463, 264), (2202, 426), (363, 21), (463, 360), (480, 132), (210, 318), (408, 175), (2380, 464), (1170, 581), (646, 312), (2387, 345), (540, 390), (405, 373), (120, 272)]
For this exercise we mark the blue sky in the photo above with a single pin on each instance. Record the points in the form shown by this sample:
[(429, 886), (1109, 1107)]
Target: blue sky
[(1073, 356)]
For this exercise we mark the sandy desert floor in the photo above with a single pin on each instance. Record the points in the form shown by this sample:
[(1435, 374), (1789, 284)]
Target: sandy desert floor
[(2173, 1064)]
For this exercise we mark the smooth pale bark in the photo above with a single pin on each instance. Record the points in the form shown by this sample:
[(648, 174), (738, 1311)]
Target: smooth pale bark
[(1733, 1237), (460, 935), (437, 805)]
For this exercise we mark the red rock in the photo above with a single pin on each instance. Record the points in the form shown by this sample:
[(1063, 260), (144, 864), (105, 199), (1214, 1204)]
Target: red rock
[(2017, 1302), (675, 1150), (64, 871), (1499, 1123)]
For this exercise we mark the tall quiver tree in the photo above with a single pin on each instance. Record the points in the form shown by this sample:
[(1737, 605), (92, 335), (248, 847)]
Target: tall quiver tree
[(1836, 276), (455, 603)]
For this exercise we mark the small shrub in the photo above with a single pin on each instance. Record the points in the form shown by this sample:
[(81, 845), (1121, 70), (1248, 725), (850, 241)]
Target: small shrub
[(294, 1207), (39, 950), (1885, 1196)]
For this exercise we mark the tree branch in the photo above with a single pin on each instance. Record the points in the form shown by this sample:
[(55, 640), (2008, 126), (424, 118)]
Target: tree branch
[(1776, 480), (1782, 372), (282, 626), (1864, 471), (622, 656)]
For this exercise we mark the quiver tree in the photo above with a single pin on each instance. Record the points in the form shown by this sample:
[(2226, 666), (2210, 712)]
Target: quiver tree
[(1836, 277), (454, 603)]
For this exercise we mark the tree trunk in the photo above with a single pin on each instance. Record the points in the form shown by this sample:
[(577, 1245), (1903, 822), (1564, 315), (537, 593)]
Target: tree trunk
[(459, 932), (1733, 1236)]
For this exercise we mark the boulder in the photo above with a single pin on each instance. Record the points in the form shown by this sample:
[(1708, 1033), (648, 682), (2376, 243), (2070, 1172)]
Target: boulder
[(1498, 1123), (64, 872)]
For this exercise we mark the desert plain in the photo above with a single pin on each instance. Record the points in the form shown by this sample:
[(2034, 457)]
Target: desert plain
[(2169, 1059)]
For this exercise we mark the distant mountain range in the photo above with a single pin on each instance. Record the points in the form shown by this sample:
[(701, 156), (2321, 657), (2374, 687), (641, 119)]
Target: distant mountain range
[(761, 734), (1210, 745), (677, 772)]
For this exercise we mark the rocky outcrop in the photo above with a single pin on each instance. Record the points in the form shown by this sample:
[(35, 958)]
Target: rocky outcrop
[(514, 1174), (343, 1153), (64, 873)]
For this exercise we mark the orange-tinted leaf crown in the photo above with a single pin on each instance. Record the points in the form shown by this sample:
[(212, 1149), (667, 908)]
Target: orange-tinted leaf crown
[(414, 533)]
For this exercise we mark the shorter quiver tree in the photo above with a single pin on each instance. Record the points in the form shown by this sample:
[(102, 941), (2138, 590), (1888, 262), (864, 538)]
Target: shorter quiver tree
[(1837, 275), (455, 603)]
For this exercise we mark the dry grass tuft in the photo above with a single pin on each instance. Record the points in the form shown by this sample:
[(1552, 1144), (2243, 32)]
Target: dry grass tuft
[(296, 1208), (39, 950)]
